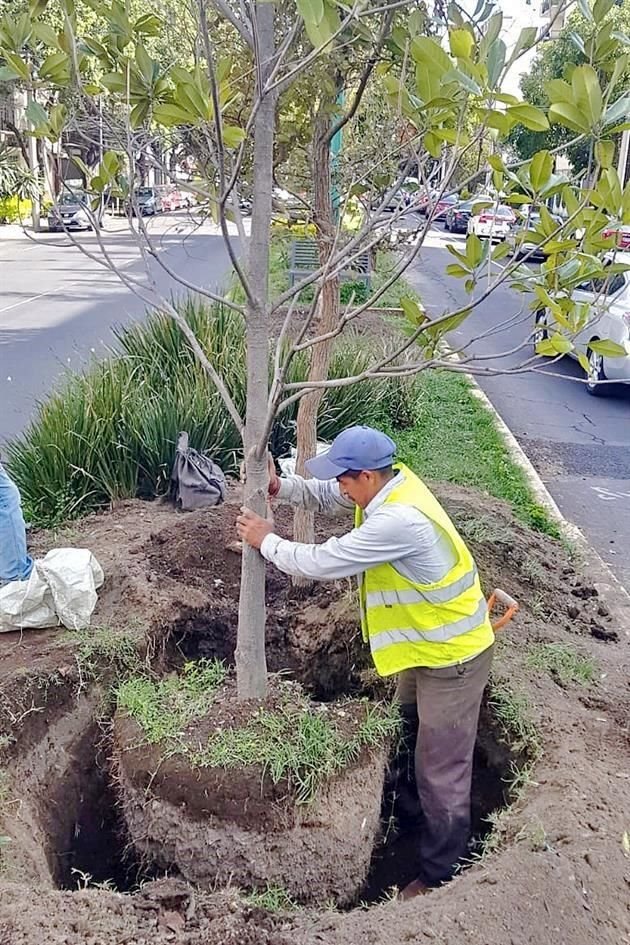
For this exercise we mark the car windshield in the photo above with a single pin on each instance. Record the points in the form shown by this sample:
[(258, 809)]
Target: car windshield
[(144, 192), (67, 199), (504, 212)]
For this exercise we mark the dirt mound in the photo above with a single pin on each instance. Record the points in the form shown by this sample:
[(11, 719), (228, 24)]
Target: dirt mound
[(554, 869)]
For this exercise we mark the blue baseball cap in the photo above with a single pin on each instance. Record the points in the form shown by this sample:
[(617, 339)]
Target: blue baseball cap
[(355, 449)]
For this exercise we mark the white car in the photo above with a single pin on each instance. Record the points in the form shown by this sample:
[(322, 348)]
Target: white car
[(494, 223), (609, 321)]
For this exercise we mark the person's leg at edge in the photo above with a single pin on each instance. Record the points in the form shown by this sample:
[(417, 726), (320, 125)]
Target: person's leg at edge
[(15, 562), (449, 700)]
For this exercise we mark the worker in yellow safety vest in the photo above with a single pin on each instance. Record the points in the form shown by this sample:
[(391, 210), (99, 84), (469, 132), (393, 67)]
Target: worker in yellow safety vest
[(423, 615)]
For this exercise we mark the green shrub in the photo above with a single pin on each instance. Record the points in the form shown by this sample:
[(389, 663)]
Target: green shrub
[(110, 433), (13, 210)]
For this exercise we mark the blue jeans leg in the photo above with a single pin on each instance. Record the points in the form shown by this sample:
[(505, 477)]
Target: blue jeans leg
[(15, 562)]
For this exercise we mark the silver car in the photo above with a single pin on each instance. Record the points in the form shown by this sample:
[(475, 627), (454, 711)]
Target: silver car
[(71, 212), (609, 302)]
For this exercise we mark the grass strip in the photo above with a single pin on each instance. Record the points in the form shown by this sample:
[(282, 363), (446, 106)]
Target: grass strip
[(455, 439), (292, 740), (562, 663)]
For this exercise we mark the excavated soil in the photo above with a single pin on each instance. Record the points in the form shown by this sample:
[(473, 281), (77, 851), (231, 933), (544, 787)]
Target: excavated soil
[(559, 871)]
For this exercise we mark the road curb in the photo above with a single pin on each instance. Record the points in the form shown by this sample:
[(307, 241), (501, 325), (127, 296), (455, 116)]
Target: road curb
[(602, 577)]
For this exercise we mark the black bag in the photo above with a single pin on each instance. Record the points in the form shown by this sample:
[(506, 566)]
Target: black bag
[(196, 481)]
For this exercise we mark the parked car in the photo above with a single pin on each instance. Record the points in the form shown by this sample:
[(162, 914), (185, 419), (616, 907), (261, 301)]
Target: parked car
[(440, 207), (71, 212), (609, 305), (290, 206), (147, 201), (170, 198), (458, 215), (621, 232), (519, 241), (494, 223)]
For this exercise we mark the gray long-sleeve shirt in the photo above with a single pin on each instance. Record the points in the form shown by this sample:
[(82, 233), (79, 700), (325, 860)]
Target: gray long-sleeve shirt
[(391, 533)]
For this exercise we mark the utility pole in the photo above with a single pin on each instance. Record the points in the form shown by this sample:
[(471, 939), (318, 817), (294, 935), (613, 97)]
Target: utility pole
[(34, 162), (623, 157)]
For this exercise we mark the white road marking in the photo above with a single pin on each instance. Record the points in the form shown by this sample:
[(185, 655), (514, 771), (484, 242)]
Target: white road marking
[(607, 496)]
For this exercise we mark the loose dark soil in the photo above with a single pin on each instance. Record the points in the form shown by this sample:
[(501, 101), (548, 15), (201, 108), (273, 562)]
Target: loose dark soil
[(559, 872)]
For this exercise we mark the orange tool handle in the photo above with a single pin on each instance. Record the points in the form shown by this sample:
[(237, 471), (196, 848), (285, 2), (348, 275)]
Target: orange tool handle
[(508, 603)]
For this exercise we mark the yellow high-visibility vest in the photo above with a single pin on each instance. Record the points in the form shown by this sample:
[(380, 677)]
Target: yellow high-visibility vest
[(432, 625)]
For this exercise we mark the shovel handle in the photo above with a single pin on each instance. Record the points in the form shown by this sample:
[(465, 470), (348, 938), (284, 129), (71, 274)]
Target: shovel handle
[(508, 603)]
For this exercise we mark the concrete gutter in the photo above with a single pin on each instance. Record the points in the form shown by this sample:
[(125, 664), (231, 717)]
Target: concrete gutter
[(607, 585)]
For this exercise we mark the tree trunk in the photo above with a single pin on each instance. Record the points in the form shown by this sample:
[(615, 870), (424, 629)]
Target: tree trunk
[(251, 664), (303, 526)]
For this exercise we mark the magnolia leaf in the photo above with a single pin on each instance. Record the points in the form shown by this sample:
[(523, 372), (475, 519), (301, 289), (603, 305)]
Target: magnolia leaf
[(148, 25), (413, 312), (545, 348), (145, 64), (233, 136), (540, 169), (170, 115), (462, 79), (17, 65), (496, 162), (501, 251), (561, 113), (139, 113), (311, 11), (57, 64), (45, 33), (618, 112), (560, 344), (605, 153), (460, 256), (601, 9), (429, 53), (432, 144), (114, 82), (496, 62), (609, 349), (587, 94), (559, 91), (462, 43), (474, 250), (36, 114), (529, 116), (453, 269)]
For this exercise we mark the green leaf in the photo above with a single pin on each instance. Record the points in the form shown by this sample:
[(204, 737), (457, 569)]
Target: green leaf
[(529, 116), (412, 310), (474, 250), (148, 25), (45, 33), (114, 82), (584, 363), (460, 256), (496, 162), (17, 65), (561, 113), (458, 271), (193, 100), (427, 52), (609, 349), (170, 115), (94, 47), (36, 8), (601, 9), (311, 11), (139, 113), (605, 153), (618, 112), (145, 64), (492, 33), (559, 91), (560, 344), (526, 39), (432, 144), (585, 9), (54, 66), (496, 62), (36, 114), (587, 94), (462, 44), (501, 251), (463, 80), (233, 136), (540, 169), (111, 163)]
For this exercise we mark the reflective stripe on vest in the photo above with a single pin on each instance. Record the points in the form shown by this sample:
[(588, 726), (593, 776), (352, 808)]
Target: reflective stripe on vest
[(441, 595), (439, 635)]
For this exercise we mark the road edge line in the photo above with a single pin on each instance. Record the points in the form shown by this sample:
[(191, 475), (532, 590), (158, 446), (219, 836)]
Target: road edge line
[(605, 582)]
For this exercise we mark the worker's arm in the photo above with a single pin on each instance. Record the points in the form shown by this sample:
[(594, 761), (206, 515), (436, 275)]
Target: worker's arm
[(314, 495), (381, 538)]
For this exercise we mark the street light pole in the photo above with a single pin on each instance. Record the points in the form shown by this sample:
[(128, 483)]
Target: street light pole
[(623, 157)]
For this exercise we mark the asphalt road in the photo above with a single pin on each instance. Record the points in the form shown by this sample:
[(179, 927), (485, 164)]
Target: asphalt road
[(579, 444), (57, 308)]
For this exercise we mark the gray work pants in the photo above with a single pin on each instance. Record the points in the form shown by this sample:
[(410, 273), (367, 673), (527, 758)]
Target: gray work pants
[(447, 702)]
